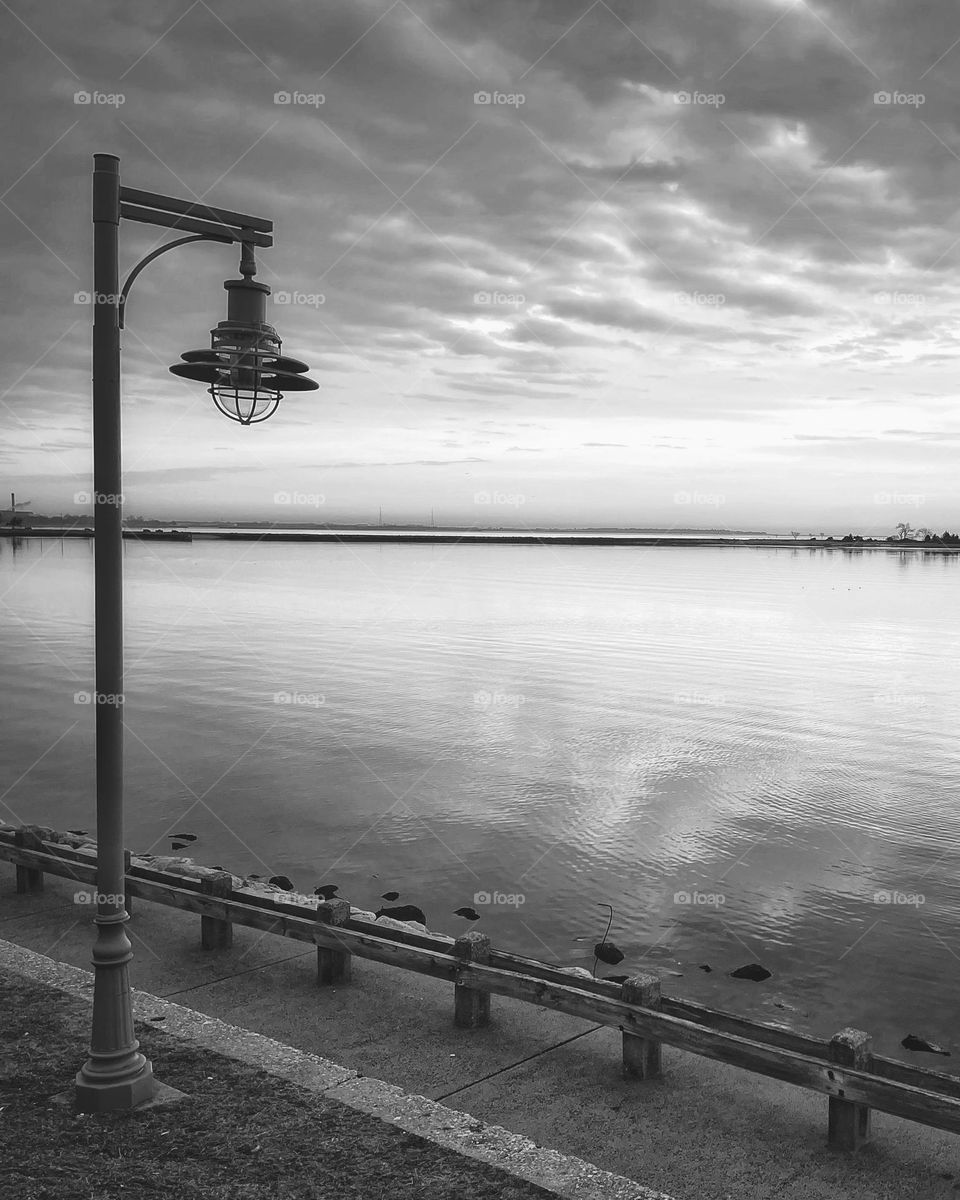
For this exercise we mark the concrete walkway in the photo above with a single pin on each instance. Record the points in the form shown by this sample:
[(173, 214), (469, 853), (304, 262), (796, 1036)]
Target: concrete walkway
[(706, 1131)]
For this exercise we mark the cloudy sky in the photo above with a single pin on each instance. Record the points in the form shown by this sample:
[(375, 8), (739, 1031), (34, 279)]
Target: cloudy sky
[(625, 262)]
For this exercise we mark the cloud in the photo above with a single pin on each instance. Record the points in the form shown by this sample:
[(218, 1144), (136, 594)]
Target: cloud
[(722, 260), (825, 437)]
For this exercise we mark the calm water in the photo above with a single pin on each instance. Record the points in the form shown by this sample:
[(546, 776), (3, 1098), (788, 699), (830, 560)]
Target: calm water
[(771, 732)]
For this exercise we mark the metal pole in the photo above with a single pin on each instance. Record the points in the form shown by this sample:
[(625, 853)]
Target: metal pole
[(116, 1075)]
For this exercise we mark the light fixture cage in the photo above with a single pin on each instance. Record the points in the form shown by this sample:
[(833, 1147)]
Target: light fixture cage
[(244, 368)]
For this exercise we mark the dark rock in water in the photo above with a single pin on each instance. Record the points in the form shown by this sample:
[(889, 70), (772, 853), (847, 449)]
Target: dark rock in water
[(607, 952), (616, 978), (706, 967), (912, 1042), (403, 912), (184, 837), (254, 876), (752, 971), (78, 832), (281, 881), (390, 896), (179, 845), (326, 891), (470, 913)]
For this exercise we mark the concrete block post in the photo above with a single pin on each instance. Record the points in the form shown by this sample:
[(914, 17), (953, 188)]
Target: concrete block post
[(641, 1056), (333, 965), (214, 933), (471, 1008), (29, 879), (849, 1122)]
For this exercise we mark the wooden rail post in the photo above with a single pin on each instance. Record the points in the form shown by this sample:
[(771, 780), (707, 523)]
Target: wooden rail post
[(641, 1056), (333, 966), (29, 879), (849, 1122), (214, 933), (471, 1008)]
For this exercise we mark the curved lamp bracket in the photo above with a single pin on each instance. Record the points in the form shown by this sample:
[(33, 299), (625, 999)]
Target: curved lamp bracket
[(197, 237)]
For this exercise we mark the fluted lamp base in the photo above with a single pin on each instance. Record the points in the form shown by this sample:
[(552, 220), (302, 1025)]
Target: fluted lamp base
[(93, 1095), (108, 1098)]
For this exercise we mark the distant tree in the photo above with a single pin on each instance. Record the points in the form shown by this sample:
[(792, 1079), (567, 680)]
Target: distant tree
[(904, 531), (924, 533), (794, 534)]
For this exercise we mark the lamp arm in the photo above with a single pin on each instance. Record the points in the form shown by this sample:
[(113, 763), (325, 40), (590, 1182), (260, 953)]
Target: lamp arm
[(197, 237)]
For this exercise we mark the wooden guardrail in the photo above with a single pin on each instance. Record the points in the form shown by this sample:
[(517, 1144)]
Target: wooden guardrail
[(844, 1068)]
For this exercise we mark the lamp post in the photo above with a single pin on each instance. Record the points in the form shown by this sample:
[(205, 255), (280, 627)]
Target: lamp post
[(245, 372)]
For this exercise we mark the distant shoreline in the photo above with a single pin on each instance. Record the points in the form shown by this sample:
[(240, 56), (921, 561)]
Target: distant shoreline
[(439, 537)]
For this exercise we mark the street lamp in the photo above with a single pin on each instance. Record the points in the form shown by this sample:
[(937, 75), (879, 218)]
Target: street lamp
[(247, 375)]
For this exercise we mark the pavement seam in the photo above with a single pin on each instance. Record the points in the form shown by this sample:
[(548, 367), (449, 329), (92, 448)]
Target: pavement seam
[(519, 1063), (236, 975), (563, 1175)]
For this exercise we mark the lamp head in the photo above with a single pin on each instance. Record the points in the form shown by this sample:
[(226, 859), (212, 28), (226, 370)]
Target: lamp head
[(246, 373)]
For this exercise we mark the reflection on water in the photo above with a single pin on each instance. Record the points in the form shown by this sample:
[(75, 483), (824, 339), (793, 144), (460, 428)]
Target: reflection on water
[(750, 754)]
